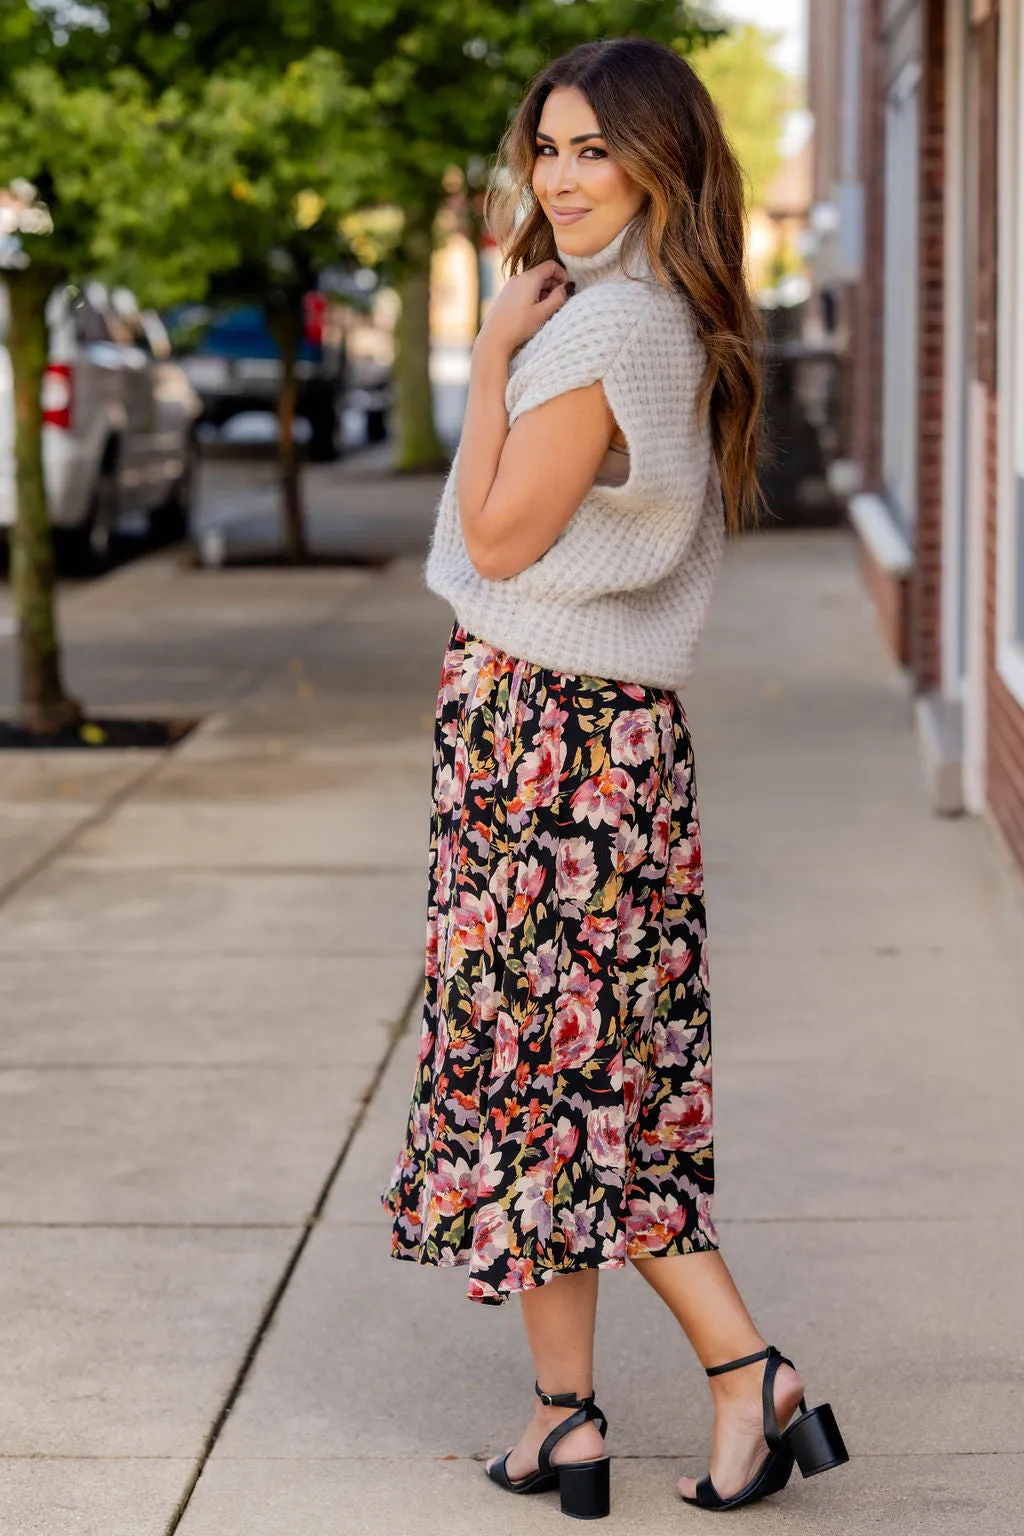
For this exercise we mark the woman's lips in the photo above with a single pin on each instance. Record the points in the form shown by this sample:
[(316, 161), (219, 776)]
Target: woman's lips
[(568, 215)]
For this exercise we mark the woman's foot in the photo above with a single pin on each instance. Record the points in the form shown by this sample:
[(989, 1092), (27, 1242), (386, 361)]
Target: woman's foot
[(583, 1444), (738, 1445)]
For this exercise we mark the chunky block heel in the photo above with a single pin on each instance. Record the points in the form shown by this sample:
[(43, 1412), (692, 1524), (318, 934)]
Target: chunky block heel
[(585, 1489), (816, 1442), (584, 1486), (812, 1441)]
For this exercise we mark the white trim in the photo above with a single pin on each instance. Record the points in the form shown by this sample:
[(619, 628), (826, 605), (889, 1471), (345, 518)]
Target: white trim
[(885, 541), (1010, 333), (976, 598), (955, 504), (1011, 668)]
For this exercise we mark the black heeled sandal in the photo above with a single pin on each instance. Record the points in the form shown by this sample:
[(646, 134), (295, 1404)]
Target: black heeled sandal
[(812, 1440), (584, 1486)]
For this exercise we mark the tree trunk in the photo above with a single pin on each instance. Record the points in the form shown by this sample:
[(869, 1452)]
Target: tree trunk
[(285, 322), (45, 705), (417, 444)]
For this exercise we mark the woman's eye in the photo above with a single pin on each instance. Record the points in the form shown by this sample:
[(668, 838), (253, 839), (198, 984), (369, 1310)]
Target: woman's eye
[(598, 154), (543, 149)]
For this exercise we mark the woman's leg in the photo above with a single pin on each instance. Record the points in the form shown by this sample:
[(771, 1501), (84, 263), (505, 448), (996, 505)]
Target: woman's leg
[(701, 1294), (559, 1319)]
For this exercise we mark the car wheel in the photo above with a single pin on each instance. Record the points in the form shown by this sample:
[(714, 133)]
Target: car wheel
[(325, 440), (86, 550), (172, 520)]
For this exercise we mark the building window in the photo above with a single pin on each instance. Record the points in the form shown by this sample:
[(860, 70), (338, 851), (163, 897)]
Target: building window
[(899, 421)]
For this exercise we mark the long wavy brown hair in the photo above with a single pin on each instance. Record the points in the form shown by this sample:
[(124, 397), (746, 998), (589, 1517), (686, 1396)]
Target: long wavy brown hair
[(661, 125)]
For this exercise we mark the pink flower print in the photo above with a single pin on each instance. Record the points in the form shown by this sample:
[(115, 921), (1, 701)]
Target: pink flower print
[(506, 1045), (603, 798), (577, 1227), (575, 869), (580, 981), (654, 1222), (488, 1167), (475, 921), (676, 959), (684, 1121), (659, 834), (451, 1187), (704, 1219), (631, 924), (675, 1043), (530, 878), (552, 719), (633, 737), (564, 1140), (502, 748), (633, 690), (630, 849), (420, 1128), (430, 957), (445, 864), (634, 1085), (682, 777), (606, 1136), (538, 774), (541, 965), (518, 1274), (646, 1001), (485, 997), (685, 874), (650, 788), (498, 883), (490, 1235), (598, 932), (575, 1031), (533, 1201)]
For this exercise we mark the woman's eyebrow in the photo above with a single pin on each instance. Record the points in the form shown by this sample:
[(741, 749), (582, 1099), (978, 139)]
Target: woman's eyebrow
[(580, 138)]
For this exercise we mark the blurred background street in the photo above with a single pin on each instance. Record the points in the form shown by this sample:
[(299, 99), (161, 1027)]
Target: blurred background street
[(251, 345)]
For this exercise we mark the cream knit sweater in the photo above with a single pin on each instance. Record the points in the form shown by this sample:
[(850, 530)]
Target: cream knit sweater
[(623, 591)]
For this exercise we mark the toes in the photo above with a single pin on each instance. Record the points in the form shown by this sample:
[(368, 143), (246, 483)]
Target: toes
[(687, 1487)]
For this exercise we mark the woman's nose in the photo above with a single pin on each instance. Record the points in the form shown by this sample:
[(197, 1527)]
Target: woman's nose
[(564, 174)]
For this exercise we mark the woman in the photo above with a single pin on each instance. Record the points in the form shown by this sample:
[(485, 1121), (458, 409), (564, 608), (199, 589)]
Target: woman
[(561, 1117)]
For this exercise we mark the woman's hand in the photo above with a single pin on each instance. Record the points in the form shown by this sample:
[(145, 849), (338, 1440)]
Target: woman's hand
[(522, 307)]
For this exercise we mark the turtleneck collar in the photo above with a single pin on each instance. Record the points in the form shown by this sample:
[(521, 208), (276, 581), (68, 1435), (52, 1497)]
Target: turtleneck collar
[(608, 262)]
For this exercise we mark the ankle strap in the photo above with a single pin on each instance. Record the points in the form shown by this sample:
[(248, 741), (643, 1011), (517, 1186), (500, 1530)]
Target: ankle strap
[(562, 1399), (735, 1365)]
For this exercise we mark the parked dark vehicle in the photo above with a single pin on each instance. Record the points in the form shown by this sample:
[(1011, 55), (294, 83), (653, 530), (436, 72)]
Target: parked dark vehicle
[(233, 364)]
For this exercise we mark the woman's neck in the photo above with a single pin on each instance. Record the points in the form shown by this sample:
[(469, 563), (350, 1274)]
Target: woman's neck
[(608, 262)]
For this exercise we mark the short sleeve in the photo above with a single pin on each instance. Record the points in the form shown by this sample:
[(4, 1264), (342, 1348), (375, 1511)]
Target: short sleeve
[(575, 348)]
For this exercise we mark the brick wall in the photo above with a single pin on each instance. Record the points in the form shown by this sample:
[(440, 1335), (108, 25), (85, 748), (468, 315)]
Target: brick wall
[(926, 584), (1005, 718)]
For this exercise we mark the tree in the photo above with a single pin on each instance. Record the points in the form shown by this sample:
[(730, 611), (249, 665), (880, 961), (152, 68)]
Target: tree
[(89, 173), (753, 95), (441, 77), (298, 152)]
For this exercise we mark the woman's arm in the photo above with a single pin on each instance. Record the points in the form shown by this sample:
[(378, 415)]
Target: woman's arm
[(519, 488)]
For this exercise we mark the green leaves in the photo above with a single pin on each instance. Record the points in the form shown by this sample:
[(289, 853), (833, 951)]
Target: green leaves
[(753, 96)]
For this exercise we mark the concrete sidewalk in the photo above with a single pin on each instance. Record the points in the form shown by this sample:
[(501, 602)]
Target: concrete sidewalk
[(204, 978)]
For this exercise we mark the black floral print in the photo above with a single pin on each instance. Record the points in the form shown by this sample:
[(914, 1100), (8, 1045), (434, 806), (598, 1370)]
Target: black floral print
[(561, 1114)]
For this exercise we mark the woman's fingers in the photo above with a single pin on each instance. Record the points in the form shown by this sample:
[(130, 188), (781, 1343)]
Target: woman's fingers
[(554, 300)]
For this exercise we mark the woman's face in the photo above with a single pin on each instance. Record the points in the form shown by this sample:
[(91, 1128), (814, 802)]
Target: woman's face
[(586, 195)]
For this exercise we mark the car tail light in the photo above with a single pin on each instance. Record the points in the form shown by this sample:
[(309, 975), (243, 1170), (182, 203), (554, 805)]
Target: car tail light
[(313, 307), (57, 396)]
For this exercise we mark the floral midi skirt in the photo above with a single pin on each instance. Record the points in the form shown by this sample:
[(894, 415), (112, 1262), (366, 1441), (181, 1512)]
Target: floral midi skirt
[(561, 1113)]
